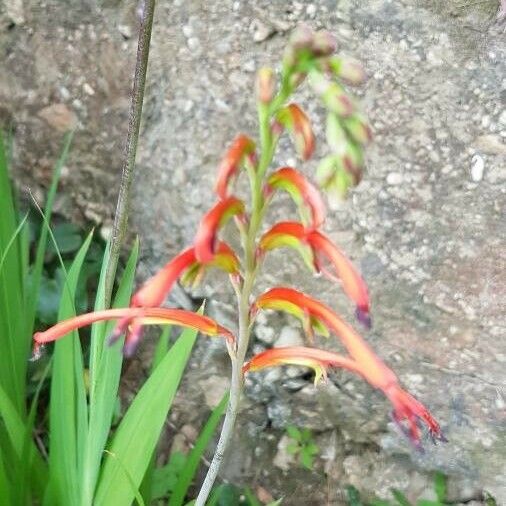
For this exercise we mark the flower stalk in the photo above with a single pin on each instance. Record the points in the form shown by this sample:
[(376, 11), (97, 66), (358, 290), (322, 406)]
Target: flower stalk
[(308, 54)]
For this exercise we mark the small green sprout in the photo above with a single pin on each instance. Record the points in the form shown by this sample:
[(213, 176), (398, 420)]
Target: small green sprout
[(302, 445)]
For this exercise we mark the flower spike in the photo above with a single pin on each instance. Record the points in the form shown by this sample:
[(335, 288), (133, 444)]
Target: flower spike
[(213, 220), (321, 248), (294, 119), (301, 190), (405, 407), (146, 316), (241, 148)]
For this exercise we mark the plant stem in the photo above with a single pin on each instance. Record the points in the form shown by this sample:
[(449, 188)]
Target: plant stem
[(244, 294), (137, 98)]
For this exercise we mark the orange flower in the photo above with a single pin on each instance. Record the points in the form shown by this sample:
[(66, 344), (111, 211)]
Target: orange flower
[(406, 409), (156, 288), (241, 148), (146, 316), (294, 119), (213, 220), (301, 190), (308, 309), (290, 233)]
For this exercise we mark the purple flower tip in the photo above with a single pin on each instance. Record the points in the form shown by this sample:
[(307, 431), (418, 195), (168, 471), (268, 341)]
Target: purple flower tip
[(364, 317)]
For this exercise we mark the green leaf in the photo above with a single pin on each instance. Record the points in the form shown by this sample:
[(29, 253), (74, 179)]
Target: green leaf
[(68, 407), (68, 238), (165, 477), (312, 449), (440, 486), (306, 459), (105, 370), (137, 435), (353, 496), (14, 331), (190, 468), (294, 432), (42, 243), (400, 497)]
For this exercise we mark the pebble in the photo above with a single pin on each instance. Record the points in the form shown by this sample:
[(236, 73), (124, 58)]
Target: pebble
[(477, 168), (261, 31), (395, 178)]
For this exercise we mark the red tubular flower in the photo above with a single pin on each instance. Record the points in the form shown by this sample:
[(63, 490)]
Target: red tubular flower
[(293, 234), (301, 190), (241, 147), (146, 316), (294, 119), (405, 407), (305, 307), (213, 220), (156, 288)]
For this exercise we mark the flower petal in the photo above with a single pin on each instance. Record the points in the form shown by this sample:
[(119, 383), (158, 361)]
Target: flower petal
[(352, 282), (332, 94), (314, 358), (241, 147), (293, 234), (406, 407), (301, 190), (294, 119), (143, 316), (378, 374), (213, 220), (155, 289)]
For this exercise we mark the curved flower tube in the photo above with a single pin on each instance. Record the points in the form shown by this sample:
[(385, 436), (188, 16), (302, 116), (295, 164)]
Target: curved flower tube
[(242, 147), (303, 192), (155, 289), (297, 303), (145, 316), (294, 119), (405, 407), (290, 233), (213, 220)]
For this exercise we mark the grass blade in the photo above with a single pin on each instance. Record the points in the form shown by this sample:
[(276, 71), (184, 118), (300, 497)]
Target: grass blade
[(14, 334), (188, 472), (38, 264), (105, 370), (138, 433), (68, 401)]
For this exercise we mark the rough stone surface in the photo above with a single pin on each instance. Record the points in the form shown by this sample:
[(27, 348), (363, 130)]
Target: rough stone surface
[(427, 225)]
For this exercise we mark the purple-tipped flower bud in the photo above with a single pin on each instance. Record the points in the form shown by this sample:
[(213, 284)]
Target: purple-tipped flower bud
[(347, 69), (302, 37), (358, 129), (324, 43), (332, 94), (265, 85)]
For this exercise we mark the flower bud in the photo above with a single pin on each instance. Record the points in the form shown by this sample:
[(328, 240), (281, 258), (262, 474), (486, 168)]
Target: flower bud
[(265, 85), (333, 96), (359, 130), (336, 135), (302, 37), (297, 79), (347, 69), (324, 43)]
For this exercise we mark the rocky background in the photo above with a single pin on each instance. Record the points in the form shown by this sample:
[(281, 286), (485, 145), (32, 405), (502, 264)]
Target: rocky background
[(426, 226)]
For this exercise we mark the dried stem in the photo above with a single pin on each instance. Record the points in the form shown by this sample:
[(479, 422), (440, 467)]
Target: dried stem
[(137, 98)]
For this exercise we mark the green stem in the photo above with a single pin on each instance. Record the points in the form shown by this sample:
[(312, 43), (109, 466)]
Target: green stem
[(258, 205), (137, 98)]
